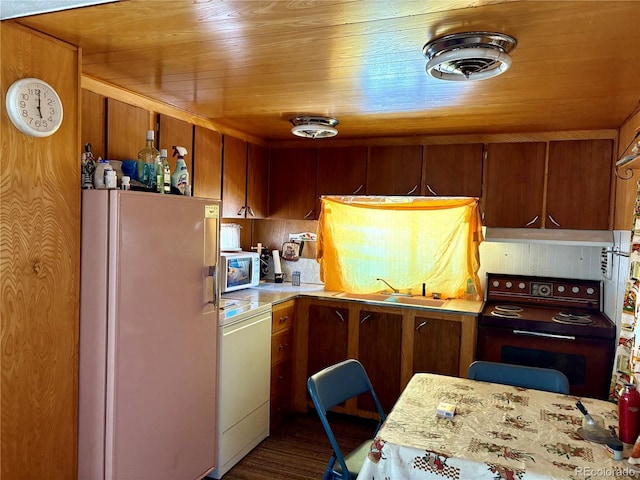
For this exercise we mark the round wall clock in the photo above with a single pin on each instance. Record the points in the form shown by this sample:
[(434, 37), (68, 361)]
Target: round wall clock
[(34, 107)]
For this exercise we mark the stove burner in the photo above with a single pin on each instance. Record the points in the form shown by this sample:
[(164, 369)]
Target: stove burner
[(572, 319), (508, 308), (505, 313), (573, 314)]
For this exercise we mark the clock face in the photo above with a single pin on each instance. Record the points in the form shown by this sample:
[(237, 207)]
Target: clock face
[(34, 107)]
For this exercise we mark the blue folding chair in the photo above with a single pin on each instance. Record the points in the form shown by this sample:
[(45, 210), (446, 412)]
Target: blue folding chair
[(537, 378), (330, 387)]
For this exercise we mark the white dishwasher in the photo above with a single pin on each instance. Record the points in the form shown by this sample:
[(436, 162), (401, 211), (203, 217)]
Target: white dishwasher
[(243, 389)]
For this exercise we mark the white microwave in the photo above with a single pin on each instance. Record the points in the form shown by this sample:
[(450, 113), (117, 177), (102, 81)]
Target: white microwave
[(239, 270)]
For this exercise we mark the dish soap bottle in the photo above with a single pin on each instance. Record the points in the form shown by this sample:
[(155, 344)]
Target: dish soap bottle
[(147, 159), (163, 173), (180, 176)]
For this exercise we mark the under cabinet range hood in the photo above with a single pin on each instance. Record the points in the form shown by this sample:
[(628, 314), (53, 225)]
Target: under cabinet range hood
[(550, 236)]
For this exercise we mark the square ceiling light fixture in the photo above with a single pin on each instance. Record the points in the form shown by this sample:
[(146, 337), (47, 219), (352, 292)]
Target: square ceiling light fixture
[(309, 126), (468, 56)]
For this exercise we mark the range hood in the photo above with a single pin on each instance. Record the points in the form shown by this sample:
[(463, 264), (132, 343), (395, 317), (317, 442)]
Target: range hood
[(550, 236)]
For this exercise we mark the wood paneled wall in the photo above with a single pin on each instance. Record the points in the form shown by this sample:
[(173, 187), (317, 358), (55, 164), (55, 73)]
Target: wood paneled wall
[(39, 268)]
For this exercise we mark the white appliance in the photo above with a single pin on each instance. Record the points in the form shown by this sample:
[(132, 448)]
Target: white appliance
[(239, 270), (245, 381), (148, 336)]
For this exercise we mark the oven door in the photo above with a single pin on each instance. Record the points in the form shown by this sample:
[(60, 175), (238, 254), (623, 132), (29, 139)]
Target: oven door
[(586, 362)]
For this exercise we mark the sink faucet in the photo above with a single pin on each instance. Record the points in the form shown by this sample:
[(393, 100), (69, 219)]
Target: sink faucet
[(395, 290)]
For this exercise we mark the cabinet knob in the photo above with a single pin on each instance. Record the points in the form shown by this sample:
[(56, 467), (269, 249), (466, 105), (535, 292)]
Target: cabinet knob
[(535, 219), (339, 315), (413, 189), (241, 211), (359, 188), (365, 318), (250, 210), (431, 190), (282, 346), (283, 319), (421, 325), (309, 214)]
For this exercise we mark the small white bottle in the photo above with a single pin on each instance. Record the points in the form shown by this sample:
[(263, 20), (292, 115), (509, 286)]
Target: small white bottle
[(110, 180), (125, 182), (99, 174)]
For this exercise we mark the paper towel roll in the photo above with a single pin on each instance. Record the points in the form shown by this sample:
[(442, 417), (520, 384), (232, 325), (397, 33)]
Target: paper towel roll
[(277, 268)]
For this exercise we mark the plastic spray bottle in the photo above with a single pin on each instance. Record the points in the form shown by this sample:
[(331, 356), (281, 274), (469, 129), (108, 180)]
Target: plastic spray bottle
[(180, 176)]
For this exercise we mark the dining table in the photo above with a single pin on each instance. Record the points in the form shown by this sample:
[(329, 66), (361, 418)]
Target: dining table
[(497, 432)]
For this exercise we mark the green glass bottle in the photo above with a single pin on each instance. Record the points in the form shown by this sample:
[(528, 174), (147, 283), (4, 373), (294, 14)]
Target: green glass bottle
[(163, 173)]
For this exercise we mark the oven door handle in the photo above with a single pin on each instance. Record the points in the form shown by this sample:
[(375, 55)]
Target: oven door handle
[(540, 334)]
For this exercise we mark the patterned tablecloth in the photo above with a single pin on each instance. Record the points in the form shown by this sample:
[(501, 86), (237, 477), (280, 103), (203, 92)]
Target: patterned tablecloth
[(498, 432)]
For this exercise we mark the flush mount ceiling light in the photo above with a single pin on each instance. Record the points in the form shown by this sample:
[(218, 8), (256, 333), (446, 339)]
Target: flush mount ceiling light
[(308, 126), (468, 56)]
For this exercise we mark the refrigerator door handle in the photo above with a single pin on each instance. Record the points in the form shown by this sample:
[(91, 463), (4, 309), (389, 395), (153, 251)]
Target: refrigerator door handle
[(213, 272)]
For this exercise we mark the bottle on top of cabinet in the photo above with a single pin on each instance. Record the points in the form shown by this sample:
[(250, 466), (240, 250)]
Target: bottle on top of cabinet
[(100, 174), (147, 159), (163, 173), (180, 176)]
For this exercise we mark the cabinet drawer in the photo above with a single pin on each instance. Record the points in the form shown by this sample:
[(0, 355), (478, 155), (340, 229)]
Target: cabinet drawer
[(281, 345), (281, 380), (282, 317)]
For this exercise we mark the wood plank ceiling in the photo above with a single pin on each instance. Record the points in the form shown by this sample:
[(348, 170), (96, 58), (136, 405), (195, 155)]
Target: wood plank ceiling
[(250, 65)]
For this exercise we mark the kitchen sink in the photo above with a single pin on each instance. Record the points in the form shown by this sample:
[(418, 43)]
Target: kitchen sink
[(420, 301), (374, 297), (391, 298)]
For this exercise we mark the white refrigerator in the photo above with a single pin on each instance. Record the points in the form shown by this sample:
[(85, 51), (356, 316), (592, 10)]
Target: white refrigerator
[(148, 336)]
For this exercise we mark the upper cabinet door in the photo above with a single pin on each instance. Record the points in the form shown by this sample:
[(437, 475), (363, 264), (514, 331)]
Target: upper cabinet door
[(257, 174), (93, 122), (127, 127), (579, 184), (341, 171), (453, 170), (234, 180), (174, 132), (207, 163), (514, 185), (292, 183), (394, 170)]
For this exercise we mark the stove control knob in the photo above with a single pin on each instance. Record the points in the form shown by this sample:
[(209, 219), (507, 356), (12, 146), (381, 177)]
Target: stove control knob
[(496, 283), (509, 284), (590, 291), (521, 285), (561, 289), (575, 289)]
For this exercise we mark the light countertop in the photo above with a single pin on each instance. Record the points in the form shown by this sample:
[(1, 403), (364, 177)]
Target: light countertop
[(269, 292)]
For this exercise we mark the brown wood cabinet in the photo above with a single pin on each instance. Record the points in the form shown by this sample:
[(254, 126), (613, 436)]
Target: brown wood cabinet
[(436, 345), (380, 359), (292, 183), (257, 175), (282, 324), (207, 163), (579, 184), (394, 170), (392, 343), (172, 131), (453, 170), (126, 129), (341, 171), (328, 335), (93, 122), (514, 185), (244, 183), (575, 195), (234, 179)]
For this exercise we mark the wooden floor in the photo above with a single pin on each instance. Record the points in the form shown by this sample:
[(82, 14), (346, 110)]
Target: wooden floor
[(299, 449)]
